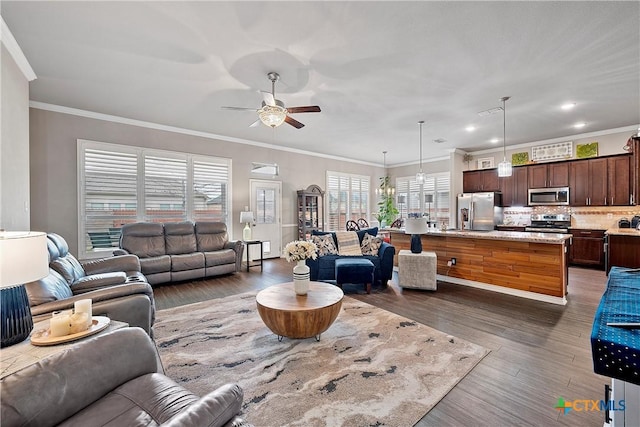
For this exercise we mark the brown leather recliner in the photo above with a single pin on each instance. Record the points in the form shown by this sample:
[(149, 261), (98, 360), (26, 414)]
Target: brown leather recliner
[(115, 285), (112, 379)]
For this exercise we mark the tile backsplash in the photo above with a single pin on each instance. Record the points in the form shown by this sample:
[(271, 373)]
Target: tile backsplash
[(597, 217)]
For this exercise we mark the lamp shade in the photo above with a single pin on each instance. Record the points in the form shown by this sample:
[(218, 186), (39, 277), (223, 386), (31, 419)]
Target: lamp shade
[(416, 226), (23, 257), (428, 198), (246, 216)]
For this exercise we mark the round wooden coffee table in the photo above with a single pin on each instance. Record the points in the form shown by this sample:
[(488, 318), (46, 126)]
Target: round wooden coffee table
[(299, 316)]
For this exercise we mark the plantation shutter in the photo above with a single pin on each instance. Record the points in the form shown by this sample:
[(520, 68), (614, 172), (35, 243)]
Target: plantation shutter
[(165, 188), (210, 181), (109, 191), (442, 182), (347, 198)]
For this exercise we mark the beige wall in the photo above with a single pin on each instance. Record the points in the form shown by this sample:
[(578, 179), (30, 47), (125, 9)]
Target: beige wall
[(14, 146), (54, 138)]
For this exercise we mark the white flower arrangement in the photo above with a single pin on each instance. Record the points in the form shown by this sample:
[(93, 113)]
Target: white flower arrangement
[(299, 250)]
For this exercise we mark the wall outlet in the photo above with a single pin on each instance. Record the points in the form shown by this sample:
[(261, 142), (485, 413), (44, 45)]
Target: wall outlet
[(449, 263), (453, 261)]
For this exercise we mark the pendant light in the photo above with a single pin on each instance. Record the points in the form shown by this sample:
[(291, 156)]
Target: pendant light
[(420, 176), (504, 167), (385, 188)]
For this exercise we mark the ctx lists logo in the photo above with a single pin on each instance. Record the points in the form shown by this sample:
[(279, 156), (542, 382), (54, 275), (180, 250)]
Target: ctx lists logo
[(584, 405)]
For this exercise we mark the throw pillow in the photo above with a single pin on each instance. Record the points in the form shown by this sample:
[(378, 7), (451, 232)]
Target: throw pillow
[(371, 244), (348, 243), (325, 244)]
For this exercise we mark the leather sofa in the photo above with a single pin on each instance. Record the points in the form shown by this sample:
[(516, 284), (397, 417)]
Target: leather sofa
[(323, 267), (177, 251), (112, 379), (115, 285)]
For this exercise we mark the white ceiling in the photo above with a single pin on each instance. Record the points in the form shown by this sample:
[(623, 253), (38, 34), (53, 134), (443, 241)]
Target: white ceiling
[(375, 68)]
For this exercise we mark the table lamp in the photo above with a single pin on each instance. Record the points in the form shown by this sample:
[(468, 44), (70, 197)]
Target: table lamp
[(23, 258), (246, 216), (416, 227)]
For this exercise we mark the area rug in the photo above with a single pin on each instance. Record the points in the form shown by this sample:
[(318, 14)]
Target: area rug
[(370, 368)]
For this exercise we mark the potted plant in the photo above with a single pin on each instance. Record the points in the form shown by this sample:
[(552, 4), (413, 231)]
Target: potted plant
[(387, 212)]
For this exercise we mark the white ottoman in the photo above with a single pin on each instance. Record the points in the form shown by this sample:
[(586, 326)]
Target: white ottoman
[(417, 271)]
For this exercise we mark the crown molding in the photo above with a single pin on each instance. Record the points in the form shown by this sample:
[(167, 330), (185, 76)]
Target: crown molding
[(16, 53), (150, 125)]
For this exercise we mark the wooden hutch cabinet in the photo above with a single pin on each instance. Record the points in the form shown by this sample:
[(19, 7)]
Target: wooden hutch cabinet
[(310, 211)]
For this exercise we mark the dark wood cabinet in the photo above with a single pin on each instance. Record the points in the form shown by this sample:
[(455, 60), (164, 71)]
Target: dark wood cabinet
[(623, 251), (587, 248), (515, 188), (480, 180), (310, 211), (620, 184), (549, 175), (588, 182)]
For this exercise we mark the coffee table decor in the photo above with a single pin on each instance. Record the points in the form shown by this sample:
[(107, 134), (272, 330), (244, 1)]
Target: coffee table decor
[(300, 251), (372, 367)]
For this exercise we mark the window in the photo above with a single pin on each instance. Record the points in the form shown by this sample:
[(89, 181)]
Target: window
[(413, 197), (347, 198), (120, 184)]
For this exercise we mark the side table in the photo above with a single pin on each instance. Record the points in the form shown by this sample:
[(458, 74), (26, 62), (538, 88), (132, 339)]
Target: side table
[(21, 355), (248, 243), (417, 271)]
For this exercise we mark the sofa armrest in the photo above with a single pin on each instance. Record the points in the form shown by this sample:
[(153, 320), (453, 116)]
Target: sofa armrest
[(98, 295), (98, 281), (386, 253), (108, 265), (213, 410), (238, 247), (55, 388)]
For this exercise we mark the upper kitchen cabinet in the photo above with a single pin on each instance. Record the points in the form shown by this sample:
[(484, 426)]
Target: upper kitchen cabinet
[(480, 180), (588, 182), (549, 175), (514, 188), (620, 183)]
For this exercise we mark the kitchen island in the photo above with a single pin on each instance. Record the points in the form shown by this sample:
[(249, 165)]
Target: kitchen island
[(623, 247), (531, 265)]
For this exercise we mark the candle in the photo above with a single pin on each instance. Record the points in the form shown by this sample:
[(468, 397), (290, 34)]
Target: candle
[(78, 323), (84, 306), (59, 324)]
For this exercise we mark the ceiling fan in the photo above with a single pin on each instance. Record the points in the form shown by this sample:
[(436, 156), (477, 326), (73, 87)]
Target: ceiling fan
[(273, 112)]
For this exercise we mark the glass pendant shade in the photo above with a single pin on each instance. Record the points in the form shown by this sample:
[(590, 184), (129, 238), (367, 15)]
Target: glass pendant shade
[(272, 115), (421, 178), (504, 168)]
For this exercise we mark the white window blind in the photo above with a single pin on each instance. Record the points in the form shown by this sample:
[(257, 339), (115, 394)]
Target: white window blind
[(347, 198), (121, 184), (436, 185)]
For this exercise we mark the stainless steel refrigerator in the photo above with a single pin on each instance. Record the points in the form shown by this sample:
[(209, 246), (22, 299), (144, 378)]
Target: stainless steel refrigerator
[(479, 211)]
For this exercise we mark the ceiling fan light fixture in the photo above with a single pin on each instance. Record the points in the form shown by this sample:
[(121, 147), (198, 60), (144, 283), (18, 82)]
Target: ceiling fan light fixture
[(272, 115)]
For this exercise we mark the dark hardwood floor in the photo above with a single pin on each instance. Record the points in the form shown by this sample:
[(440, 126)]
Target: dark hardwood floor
[(539, 351)]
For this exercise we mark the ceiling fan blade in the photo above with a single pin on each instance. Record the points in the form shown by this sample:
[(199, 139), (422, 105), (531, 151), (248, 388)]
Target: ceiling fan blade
[(293, 122), (268, 98), (306, 109), (239, 108), (256, 123)]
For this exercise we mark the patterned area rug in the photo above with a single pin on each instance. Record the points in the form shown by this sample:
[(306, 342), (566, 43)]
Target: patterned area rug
[(370, 368)]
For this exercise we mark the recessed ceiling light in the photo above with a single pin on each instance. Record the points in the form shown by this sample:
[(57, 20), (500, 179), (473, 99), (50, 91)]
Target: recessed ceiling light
[(494, 140), (470, 128), (579, 125), (568, 105)]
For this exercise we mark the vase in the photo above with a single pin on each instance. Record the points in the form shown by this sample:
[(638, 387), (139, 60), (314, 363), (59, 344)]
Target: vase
[(301, 278)]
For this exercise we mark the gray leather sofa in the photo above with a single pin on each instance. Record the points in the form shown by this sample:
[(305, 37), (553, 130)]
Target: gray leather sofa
[(115, 285), (112, 379), (173, 252)]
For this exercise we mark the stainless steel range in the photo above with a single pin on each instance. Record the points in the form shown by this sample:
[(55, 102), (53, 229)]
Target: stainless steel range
[(549, 223)]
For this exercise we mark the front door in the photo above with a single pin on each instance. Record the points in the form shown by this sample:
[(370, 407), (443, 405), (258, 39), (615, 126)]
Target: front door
[(266, 200)]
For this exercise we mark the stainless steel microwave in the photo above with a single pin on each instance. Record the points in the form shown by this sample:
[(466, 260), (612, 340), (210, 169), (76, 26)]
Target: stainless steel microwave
[(549, 196)]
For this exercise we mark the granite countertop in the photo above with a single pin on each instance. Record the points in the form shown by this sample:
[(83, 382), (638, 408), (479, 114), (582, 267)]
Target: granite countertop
[(623, 231), (517, 236)]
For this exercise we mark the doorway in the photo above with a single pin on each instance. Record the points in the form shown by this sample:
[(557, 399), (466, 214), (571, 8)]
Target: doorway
[(266, 202)]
